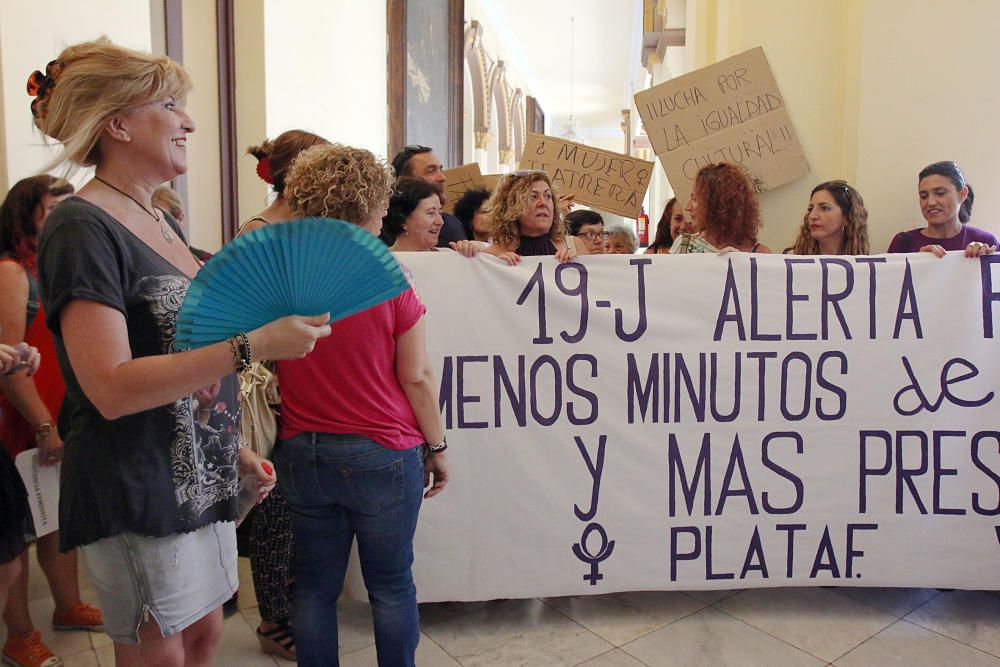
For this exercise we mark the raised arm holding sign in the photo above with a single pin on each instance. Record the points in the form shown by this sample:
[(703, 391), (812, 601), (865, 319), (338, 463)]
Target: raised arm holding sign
[(610, 181)]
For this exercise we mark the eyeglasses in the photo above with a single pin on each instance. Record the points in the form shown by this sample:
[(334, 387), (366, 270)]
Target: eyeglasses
[(590, 236)]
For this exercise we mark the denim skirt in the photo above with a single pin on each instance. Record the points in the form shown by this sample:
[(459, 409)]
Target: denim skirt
[(174, 580)]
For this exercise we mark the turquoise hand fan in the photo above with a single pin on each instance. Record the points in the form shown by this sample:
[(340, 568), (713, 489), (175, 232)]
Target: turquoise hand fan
[(304, 267)]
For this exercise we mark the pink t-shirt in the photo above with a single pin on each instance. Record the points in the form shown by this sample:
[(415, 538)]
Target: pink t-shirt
[(348, 384)]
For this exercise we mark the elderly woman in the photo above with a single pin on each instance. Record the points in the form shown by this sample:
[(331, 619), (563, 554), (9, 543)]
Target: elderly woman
[(621, 240), (525, 220), (413, 220), (835, 223), (361, 432), (148, 492), (29, 407), (723, 209), (946, 204)]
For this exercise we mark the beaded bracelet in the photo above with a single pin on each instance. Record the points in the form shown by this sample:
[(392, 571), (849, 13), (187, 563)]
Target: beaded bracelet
[(240, 346)]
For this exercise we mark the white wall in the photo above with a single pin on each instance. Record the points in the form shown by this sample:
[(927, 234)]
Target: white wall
[(325, 70), (204, 176), (33, 33), (876, 89), (927, 93)]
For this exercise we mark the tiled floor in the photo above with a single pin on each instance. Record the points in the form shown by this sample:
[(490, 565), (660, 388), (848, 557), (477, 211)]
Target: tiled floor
[(768, 627)]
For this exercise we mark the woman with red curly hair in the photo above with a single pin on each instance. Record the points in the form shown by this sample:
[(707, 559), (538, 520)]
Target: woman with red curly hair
[(724, 210)]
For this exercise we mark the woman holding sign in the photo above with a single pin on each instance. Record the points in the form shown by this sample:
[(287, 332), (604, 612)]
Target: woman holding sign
[(835, 223), (723, 209), (671, 225), (525, 220), (946, 204), (413, 220)]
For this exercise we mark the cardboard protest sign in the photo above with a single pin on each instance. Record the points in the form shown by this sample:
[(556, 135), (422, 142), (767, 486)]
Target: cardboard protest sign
[(461, 180), (611, 181), (492, 180), (731, 111)]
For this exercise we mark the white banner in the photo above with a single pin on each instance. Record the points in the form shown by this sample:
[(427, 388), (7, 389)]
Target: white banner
[(647, 423)]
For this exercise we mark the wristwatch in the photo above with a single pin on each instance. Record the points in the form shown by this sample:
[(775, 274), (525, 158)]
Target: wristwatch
[(437, 449), (43, 431)]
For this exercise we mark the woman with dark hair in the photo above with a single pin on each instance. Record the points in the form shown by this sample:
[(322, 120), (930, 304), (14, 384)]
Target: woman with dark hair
[(29, 407), (724, 211), (835, 223), (671, 225), (16, 522), (271, 541), (471, 210), (413, 220), (525, 220), (151, 460), (588, 227), (274, 158), (946, 204)]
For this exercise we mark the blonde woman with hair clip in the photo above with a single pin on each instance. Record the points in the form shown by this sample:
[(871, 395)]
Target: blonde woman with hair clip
[(835, 223), (148, 491)]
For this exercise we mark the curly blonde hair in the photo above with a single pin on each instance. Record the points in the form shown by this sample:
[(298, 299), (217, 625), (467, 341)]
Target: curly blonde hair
[(97, 81), (509, 203), (852, 206), (337, 181)]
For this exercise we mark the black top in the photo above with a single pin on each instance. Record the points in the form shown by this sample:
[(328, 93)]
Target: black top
[(451, 230), (536, 246), (167, 470)]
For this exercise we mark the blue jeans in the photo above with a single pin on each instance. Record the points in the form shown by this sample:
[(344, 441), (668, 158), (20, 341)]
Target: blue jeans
[(339, 487)]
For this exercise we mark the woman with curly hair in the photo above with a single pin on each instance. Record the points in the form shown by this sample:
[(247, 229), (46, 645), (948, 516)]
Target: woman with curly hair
[(835, 223), (724, 211), (525, 220), (361, 433), (671, 225)]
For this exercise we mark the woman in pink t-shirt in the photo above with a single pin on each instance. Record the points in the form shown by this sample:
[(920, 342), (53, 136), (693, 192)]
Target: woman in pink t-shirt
[(361, 433)]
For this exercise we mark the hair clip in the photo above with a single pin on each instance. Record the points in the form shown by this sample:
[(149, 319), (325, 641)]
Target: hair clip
[(40, 85), (264, 169)]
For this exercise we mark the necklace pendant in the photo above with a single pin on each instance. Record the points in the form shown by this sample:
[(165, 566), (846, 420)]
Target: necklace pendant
[(168, 235)]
